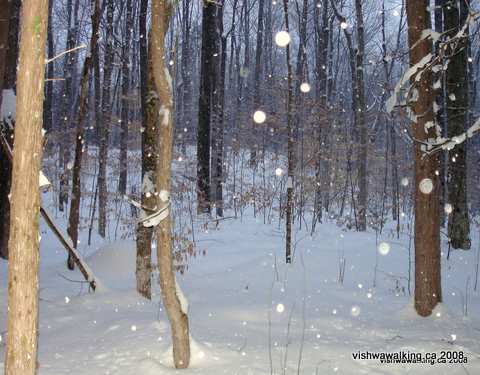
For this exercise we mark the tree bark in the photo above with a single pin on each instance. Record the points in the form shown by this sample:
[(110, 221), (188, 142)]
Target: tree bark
[(5, 166), (206, 102), (150, 136), (440, 114), (47, 113), (69, 65), (427, 224), (457, 86), (22, 325), (290, 146), (218, 111), (258, 77), (321, 37), (74, 214), (122, 182), (105, 125), (161, 13), (149, 107), (5, 6), (362, 126)]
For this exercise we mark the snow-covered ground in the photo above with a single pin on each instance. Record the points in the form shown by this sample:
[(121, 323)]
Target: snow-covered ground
[(249, 312)]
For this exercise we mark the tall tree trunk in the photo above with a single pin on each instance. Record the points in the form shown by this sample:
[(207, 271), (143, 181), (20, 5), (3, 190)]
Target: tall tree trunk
[(427, 225), (74, 214), (176, 309), (218, 131), (150, 107), (69, 67), (206, 102), (9, 77), (105, 125), (48, 110), (321, 37), (122, 182), (290, 146), (440, 114), (457, 85), (352, 60), (186, 69), (6, 9), (362, 126), (258, 77), (22, 325)]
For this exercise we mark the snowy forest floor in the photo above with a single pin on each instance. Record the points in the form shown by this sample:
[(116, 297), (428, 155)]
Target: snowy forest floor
[(234, 288)]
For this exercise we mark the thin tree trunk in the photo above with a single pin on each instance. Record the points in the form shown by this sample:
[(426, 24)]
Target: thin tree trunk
[(217, 162), (257, 98), (427, 224), (362, 126), (176, 309), (74, 214), (291, 146), (218, 110), (105, 125), (68, 99), (149, 104), (322, 36), (22, 324), (122, 182), (206, 102), (48, 110), (186, 70)]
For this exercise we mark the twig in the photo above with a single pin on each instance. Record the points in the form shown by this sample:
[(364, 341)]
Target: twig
[(71, 280), (47, 61)]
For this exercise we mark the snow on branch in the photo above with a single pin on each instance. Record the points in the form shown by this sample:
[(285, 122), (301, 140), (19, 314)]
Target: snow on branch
[(449, 143), (432, 63), (47, 61)]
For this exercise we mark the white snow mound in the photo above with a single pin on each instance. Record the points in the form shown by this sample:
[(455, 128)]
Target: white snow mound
[(114, 264)]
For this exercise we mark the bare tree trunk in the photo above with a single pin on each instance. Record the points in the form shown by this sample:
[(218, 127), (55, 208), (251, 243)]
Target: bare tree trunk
[(67, 102), (150, 137), (186, 70), (362, 126), (455, 15), (206, 102), (21, 354), (105, 125), (6, 8), (47, 113), (217, 123), (427, 225), (74, 214), (122, 182), (291, 146), (355, 102), (440, 114), (176, 310), (219, 97), (322, 36), (257, 78), (149, 104)]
